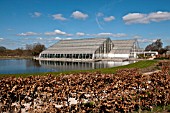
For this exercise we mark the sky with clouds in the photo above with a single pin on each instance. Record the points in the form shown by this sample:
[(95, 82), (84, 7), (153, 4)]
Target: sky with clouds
[(47, 21)]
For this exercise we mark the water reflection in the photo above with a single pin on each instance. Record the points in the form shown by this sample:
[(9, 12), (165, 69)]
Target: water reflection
[(66, 66), (31, 63), (14, 66)]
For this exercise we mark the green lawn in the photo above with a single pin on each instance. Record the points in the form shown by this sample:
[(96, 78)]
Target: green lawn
[(141, 65)]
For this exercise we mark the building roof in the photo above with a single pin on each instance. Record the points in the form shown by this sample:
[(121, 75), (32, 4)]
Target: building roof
[(122, 46), (123, 43), (75, 46)]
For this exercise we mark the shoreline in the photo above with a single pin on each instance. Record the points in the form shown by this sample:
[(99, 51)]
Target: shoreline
[(87, 60), (16, 57)]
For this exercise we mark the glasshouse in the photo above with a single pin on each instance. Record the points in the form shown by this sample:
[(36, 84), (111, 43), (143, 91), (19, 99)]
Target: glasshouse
[(90, 48)]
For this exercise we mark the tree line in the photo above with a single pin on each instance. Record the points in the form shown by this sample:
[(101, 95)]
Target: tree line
[(30, 50), (158, 46)]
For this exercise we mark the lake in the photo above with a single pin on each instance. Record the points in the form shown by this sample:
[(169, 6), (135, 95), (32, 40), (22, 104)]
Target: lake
[(16, 66)]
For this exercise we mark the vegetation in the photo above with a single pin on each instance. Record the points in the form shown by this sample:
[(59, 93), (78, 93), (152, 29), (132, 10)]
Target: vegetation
[(162, 57), (157, 46), (167, 47), (29, 51), (127, 90)]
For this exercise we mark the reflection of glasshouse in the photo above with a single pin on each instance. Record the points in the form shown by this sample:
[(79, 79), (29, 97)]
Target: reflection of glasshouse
[(89, 48)]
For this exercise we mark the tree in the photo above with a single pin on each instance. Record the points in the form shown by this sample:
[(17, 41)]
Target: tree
[(162, 51), (2, 50), (18, 52), (155, 46), (167, 48), (37, 49), (29, 47)]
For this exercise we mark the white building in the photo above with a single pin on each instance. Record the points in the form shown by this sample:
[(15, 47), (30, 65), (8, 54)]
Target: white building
[(91, 48)]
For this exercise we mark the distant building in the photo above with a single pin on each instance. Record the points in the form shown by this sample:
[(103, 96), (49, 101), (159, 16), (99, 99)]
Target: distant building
[(91, 48)]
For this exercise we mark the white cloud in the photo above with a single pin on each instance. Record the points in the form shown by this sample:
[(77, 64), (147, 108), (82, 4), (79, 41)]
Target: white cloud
[(57, 38), (79, 15), (1, 39), (108, 19), (69, 34), (39, 38), (80, 34), (133, 18), (104, 34), (51, 39), (58, 32), (47, 41), (68, 38), (99, 14), (137, 36), (58, 17), (146, 40), (159, 16), (27, 34), (35, 14), (50, 33), (119, 35), (112, 35)]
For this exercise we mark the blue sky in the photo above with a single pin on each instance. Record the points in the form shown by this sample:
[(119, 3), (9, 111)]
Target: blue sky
[(47, 21)]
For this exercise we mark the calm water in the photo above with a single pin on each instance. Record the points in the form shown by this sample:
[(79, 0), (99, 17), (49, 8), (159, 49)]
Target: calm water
[(14, 66)]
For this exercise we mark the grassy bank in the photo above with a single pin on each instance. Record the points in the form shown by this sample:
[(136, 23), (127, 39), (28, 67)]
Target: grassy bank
[(145, 64)]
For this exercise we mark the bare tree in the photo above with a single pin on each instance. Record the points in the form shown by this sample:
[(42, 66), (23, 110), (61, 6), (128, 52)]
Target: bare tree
[(37, 49)]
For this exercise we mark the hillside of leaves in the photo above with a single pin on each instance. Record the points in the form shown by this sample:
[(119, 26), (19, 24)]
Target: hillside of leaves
[(126, 91)]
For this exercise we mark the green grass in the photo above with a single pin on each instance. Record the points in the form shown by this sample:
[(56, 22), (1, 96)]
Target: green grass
[(140, 65)]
